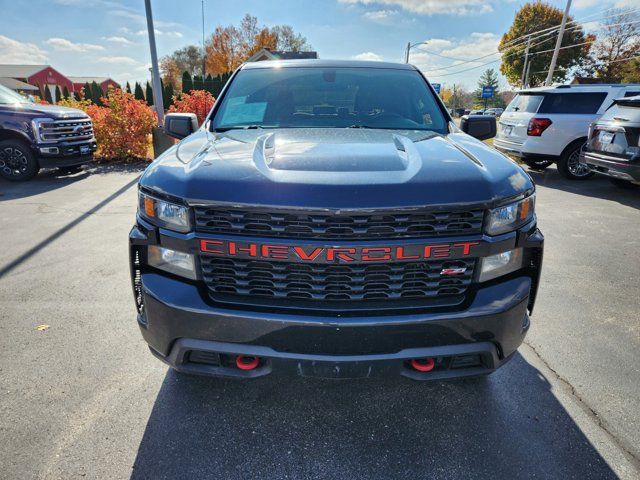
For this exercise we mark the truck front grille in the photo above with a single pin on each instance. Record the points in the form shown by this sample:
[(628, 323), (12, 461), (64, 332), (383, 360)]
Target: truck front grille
[(326, 224), (65, 130), (277, 283)]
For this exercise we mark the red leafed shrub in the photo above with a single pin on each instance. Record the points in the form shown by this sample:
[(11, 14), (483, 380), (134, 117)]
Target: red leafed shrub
[(122, 127), (199, 102)]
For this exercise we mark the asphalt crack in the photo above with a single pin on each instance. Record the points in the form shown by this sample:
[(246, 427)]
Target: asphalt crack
[(592, 413)]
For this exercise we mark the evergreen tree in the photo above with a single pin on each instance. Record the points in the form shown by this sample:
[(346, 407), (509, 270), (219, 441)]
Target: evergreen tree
[(197, 83), (149, 94), (65, 92), (138, 93), (76, 96), (128, 88), (47, 94), (489, 79), (187, 82), (96, 93), (167, 95), (208, 84), (58, 93), (86, 91), (217, 86)]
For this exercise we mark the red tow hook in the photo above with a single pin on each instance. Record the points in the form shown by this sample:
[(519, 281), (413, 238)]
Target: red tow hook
[(423, 364), (247, 362)]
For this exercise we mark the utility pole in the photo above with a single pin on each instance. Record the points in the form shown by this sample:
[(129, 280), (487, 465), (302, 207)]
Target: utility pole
[(406, 53), (204, 56), (526, 61), (554, 59), (526, 75), (157, 87)]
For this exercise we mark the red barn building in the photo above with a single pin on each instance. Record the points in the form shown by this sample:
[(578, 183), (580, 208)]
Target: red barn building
[(42, 76), (104, 82)]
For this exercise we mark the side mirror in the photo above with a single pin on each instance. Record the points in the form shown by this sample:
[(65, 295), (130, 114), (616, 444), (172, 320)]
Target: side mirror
[(180, 125), (481, 127)]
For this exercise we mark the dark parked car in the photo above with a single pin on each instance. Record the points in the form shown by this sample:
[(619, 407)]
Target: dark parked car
[(613, 147), (34, 136), (330, 219)]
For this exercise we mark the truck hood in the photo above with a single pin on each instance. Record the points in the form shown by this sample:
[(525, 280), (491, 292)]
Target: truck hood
[(335, 168), (51, 111)]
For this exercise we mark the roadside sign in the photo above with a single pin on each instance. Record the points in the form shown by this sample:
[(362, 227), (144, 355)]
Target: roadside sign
[(487, 92), (436, 87)]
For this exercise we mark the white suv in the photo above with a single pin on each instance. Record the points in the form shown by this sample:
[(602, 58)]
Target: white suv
[(550, 124)]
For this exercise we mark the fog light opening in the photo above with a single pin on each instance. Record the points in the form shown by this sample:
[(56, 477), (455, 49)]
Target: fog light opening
[(423, 364), (247, 362)]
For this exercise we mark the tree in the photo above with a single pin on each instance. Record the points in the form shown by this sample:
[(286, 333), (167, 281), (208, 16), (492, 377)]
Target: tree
[(489, 79), (128, 88), (230, 46), (47, 94), (170, 71), (619, 40), (187, 59), (86, 91), (76, 96), (137, 92), (187, 82), (58, 94), (96, 94), (197, 83), (149, 94), (167, 96), (65, 92), (531, 18)]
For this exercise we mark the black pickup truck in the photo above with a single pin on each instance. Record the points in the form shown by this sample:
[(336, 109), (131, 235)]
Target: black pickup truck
[(34, 136), (329, 219)]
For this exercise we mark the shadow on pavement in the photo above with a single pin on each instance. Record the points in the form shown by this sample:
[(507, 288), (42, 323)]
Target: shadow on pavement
[(52, 179), (508, 425), (597, 187)]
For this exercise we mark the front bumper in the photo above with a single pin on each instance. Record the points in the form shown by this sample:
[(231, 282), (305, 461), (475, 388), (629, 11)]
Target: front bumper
[(65, 154), (612, 167), (178, 324)]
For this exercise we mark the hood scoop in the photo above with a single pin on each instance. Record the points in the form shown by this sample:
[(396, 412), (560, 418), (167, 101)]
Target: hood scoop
[(393, 155)]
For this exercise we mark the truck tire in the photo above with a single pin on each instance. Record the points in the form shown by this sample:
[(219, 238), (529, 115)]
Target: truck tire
[(569, 165), (538, 163), (17, 162)]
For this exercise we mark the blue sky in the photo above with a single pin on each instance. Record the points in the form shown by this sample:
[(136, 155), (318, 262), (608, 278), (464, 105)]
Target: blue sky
[(107, 37)]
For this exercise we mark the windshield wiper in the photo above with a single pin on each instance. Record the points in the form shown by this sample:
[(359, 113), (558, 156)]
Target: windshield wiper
[(242, 127), (357, 125)]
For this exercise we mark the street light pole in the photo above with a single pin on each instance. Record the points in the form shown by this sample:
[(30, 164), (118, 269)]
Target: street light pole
[(554, 59), (204, 56), (157, 86), (406, 53)]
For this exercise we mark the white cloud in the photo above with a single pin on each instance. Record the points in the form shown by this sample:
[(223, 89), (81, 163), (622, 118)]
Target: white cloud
[(139, 18), (118, 60), (174, 34), (432, 7), (118, 40), (13, 51), (368, 56), (380, 16), (65, 45)]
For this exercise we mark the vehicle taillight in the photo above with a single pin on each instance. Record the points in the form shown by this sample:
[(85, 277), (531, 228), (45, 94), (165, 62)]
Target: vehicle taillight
[(537, 126)]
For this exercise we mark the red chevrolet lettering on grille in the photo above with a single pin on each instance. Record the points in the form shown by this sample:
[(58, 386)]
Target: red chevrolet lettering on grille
[(309, 254)]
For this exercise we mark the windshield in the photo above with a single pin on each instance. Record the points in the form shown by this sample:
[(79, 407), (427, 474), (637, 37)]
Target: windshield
[(307, 97), (525, 103), (9, 96)]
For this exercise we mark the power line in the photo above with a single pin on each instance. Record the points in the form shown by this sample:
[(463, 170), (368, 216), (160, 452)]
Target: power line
[(610, 61)]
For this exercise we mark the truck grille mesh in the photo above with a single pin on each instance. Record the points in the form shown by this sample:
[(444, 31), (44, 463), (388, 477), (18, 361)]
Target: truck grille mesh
[(66, 130), (414, 223), (283, 281)]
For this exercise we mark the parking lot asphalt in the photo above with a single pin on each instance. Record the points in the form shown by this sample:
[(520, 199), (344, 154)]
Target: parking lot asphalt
[(81, 396)]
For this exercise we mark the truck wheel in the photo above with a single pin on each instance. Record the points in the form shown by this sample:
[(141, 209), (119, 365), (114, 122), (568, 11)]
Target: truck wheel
[(17, 162), (538, 163), (569, 164)]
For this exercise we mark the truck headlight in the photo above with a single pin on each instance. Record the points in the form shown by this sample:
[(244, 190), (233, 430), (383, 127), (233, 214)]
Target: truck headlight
[(510, 217), (172, 261), (500, 264), (163, 213)]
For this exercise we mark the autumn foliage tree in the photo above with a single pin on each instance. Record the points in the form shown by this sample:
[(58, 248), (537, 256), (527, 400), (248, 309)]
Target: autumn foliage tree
[(199, 102), (533, 17)]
